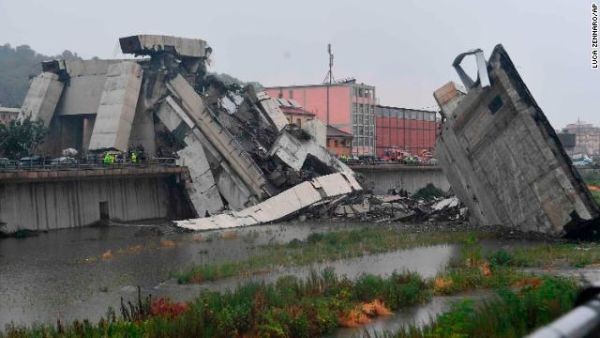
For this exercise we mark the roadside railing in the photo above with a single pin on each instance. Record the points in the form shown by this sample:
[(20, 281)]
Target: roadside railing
[(13, 165), (582, 321)]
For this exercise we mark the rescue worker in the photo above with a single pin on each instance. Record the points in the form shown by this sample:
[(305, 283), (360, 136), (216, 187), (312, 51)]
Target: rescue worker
[(107, 159), (133, 157)]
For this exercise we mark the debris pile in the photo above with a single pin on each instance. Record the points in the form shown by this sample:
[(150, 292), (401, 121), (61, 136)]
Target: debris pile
[(393, 208), (242, 155)]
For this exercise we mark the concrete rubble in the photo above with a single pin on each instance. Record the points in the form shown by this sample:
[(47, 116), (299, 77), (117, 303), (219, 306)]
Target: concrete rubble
[(393, 208), (319, 192), (246, 164), (502, 157)]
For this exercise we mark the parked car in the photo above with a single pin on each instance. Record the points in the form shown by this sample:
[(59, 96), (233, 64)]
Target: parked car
[(63, 161), (30, 161), (4, 162), (367, 159)]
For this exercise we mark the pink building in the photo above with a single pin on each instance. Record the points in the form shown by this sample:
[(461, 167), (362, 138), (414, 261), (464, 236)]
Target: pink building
[(351, 109)]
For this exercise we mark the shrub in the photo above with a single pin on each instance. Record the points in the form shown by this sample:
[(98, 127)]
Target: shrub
[(500, 258), (428, 193)]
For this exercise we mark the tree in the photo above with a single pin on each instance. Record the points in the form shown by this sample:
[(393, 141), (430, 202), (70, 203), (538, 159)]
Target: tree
[(21, 138), (17, 66)]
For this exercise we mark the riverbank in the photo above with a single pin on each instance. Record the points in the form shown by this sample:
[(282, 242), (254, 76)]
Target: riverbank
[(80, 273), (324, 301)]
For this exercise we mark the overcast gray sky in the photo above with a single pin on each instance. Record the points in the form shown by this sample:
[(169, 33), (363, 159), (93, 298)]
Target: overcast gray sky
[(404, 48)]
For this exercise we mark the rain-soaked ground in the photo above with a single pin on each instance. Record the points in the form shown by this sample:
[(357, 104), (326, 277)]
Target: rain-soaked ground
[(79, 273)]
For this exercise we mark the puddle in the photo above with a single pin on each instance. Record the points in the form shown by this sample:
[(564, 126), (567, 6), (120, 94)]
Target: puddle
[(79, 273), (426, 261)]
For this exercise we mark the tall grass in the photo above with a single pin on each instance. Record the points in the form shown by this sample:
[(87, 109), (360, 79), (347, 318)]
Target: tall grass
[(471, 270), (596, 195), (320, 247), (512, 313), (320, 303), (291, 307), (575, 255)]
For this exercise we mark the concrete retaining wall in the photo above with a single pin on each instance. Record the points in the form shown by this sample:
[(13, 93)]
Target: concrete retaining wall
[(381, 178), (74, 203)]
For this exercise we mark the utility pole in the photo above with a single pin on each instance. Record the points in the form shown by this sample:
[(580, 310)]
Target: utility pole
[(329, 77)]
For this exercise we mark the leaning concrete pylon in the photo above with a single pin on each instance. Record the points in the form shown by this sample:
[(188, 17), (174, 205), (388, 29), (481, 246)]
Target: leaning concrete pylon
[(117, 107), (503, 158), (42, 98)]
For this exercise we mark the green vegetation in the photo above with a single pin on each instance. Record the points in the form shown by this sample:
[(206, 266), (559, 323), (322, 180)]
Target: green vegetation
[(21, 138), (591, 178), (320, 304), (548, 255), (594, 180), (428, 193), (324, 301), (17, 66), (289, 308), (596, 195), (510, 314), (472, 271), (320, 247)]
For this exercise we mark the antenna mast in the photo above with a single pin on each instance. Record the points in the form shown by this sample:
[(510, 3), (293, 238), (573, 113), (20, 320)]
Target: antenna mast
[(329, 77)]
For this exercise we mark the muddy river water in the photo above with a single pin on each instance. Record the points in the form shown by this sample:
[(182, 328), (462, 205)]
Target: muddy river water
[(79, 273)]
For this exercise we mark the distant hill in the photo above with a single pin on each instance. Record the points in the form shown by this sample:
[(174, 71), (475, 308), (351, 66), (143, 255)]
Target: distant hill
[(17, 66)]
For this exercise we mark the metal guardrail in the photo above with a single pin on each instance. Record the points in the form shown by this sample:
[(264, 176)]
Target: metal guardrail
[(50, 165), (383, 162), (582, 321)]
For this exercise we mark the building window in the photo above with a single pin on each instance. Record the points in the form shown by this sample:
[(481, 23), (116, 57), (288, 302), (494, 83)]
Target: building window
[(291, 93), (299, 123), (335, 143)]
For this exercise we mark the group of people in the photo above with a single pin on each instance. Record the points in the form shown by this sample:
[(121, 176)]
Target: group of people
[(112, 157)]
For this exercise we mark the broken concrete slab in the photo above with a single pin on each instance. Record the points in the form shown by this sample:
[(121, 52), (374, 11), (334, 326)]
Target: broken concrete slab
[(117, 107), (277, 207), (333, 185), (503, 158), (203, 191), (43, 96), (317, 130), (289, 150), (268, 107), (219, 137), (147, 44), (293, 152)]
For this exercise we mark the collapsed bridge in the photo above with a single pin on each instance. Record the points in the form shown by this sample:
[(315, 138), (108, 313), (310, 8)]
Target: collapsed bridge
[(502, 157), (234, 140)]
